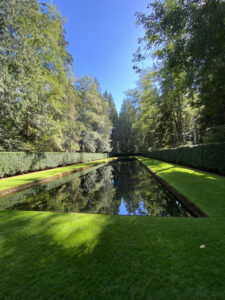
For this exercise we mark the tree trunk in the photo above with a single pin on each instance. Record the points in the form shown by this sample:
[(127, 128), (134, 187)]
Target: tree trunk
[(195, 133)]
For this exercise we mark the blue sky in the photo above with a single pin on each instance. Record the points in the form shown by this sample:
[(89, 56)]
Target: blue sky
[(102, 38)]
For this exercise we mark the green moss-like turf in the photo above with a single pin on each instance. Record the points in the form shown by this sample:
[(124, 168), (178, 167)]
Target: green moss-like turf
[(11, 182), (82, 256)]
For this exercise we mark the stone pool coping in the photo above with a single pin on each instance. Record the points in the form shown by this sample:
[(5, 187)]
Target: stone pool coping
[(19, 187), (194, 209)]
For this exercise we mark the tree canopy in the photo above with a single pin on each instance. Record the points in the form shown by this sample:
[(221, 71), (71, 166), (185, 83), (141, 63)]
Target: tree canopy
[(181, 101), (178, 102), (43, 106)]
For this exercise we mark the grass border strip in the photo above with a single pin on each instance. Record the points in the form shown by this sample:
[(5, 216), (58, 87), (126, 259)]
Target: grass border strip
[(37, 182), (195, 210)]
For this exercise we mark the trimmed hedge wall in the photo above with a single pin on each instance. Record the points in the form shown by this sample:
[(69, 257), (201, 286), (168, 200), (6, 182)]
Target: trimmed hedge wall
[(209, 157), (12, 163), (20, 196)]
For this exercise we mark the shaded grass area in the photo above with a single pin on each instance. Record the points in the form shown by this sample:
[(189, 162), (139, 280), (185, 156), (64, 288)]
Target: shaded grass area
[(83, 256), (204, 189), (77, 256), (11, 182)]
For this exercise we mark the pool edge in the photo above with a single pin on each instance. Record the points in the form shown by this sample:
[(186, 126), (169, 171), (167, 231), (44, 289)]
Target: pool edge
[(51, 178), (194, 209)]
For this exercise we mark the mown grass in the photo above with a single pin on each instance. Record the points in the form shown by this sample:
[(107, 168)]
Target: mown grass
[(72, 256), (206, 190), (82, 256), (11, 182)]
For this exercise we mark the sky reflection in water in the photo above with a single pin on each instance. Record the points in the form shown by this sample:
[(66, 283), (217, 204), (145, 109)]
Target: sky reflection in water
[(118, 188)]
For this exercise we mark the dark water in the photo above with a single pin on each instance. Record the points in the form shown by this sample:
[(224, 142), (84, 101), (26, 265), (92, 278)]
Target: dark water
[(117, 188)]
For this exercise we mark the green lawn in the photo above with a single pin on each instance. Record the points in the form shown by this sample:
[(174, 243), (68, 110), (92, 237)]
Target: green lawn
[(15, 181), (206, 190), (78, 256)]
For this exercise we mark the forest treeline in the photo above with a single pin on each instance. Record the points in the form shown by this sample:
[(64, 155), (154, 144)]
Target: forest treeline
[(43, 106), (178, 102), (181, 101)]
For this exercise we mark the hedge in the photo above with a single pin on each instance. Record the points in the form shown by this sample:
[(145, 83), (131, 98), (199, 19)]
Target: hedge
[(13, 198), (209, 157), (13, 163)]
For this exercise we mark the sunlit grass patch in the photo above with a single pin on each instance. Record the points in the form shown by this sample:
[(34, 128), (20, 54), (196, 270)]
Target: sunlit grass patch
[(11, 182), (204, 189), (59, 255)]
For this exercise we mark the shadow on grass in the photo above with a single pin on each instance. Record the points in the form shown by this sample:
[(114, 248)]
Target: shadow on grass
[(161, 170), (206, 192), (155, 163), (204, 189), (67, 256)]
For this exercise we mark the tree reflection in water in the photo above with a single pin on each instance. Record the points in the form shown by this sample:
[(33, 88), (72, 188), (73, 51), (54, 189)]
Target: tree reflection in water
[(120, 187)]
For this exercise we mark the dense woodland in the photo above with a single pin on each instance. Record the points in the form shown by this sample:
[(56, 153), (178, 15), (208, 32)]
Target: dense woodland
[(179, 101)]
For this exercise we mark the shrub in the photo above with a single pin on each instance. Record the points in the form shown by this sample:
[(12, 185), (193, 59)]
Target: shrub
[(12, 163), (210, 157)]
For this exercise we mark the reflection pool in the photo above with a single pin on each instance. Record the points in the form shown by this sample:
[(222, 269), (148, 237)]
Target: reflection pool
[(122, 187)]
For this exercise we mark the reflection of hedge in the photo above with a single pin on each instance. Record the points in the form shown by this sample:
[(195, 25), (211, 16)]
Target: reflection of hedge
[(21, 196), (12, 163), (209, 157)]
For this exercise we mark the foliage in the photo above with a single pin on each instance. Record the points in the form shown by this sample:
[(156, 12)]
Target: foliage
[(44, 108), (22, 162), (215, 134), (94, 116), (113, 116), (187, 39), (35, 71), (157, 117), (127, 134), (41, 107), (209, 157)]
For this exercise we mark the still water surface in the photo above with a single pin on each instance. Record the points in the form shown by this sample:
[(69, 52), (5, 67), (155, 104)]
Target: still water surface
[(122, 187)]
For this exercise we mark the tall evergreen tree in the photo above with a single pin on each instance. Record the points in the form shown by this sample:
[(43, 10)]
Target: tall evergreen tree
[(35, 68), (113, 116), (43, 107), (187, 37), (127, 142), (93, 116)]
